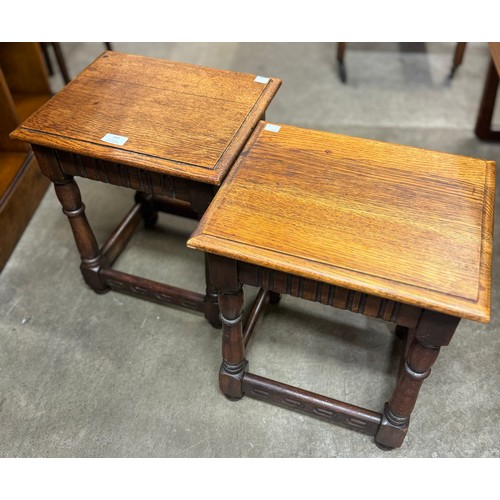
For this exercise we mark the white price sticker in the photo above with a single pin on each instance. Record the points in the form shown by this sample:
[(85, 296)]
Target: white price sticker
[(261, 79), (272, 128), (119, 140)]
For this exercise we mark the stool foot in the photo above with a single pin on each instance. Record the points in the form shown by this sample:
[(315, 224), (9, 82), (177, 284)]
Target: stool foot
[(232, 399), (392, 430), (102, 292), (231, 380), (383, 447)]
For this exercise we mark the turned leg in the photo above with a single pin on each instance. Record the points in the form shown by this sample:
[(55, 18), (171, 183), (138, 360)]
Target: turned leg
[(233, 350), (224, 276), (69, 195), (433, 331)]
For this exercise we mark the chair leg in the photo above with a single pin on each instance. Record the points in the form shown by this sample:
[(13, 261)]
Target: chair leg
[(340, 60), (457, 58), (46, 57), (60, 61)]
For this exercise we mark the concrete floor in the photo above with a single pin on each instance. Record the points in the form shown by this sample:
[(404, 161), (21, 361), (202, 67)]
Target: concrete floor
[(83, 375)]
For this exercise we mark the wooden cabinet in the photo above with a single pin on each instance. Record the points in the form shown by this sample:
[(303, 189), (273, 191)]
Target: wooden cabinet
[(24, 87)]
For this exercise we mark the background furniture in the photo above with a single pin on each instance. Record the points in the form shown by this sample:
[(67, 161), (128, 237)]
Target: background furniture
[(484, 129), (380, 235), (60, 59), (458, 56), (24, 87)]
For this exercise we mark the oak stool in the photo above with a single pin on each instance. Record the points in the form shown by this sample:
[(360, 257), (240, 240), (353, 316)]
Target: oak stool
[(168, 130), (388, 231)]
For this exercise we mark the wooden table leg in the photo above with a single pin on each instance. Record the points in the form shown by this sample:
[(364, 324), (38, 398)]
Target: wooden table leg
[(61, 61), (340, 61), (233, 350), (433, 331), (458, 57), (69, 195), (224, 277), (484, 120)]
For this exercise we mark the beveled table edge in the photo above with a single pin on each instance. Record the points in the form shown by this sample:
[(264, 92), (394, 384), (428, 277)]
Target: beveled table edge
[(409, 294)]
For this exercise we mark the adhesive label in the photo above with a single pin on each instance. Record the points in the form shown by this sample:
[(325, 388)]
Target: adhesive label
[(261, 79), (119, 140), (272, 128)]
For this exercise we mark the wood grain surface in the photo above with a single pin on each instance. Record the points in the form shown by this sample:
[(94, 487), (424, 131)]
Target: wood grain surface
[(179, 118), (397, 222)]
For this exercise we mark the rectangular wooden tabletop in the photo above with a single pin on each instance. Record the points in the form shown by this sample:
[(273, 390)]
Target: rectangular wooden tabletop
[(398, 222), (177, 118)]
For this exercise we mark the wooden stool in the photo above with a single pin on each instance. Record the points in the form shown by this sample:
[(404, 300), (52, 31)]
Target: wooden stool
[(388, 231), (168, 130)]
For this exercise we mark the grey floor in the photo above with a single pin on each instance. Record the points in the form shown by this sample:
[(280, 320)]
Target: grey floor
[(83, 375)]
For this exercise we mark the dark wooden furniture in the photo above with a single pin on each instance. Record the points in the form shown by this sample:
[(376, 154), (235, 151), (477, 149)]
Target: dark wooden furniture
[(24, 87), (61, 60), (391, 232), (170, 131), (484, 129), (458, 56), (341, 62)]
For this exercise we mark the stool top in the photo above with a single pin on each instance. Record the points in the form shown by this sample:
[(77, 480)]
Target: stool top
[(179, 119), (397, 222)]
